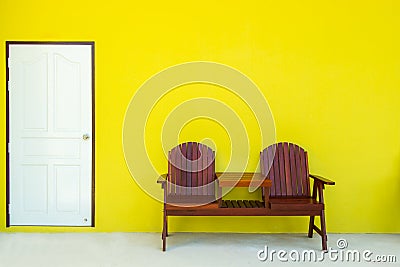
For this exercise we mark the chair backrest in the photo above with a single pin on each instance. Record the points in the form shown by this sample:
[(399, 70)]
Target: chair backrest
[(191, 173), (286, 164)]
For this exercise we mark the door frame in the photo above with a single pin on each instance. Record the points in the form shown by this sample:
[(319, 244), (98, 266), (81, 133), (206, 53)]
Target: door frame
[(8, 43)]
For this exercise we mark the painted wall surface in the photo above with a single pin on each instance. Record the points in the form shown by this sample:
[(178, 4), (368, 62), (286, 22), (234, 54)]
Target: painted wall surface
[(330, 71)]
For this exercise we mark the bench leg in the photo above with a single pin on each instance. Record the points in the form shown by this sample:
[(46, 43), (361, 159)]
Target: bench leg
[(323, 232), (311, 227), (164, 244), (166, 226), (164, 233)]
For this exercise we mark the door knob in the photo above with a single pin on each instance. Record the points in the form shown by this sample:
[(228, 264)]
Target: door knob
[(85, 137)]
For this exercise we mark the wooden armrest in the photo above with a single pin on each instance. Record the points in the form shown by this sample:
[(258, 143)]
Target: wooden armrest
[(162, 179), (322, 179)]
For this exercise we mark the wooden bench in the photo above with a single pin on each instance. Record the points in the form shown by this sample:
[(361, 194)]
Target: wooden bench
[(193, 188)]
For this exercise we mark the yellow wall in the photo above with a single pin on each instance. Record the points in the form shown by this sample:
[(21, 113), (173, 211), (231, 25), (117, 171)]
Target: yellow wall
[(330, 71)]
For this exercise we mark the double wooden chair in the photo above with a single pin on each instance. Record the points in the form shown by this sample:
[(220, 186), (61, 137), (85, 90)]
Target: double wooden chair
[(193, 188)]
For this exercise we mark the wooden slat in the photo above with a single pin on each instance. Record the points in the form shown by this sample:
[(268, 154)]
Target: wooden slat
[(241, 204), (170, 173), (306, 179), (235, 204), (183, 173), (262, 160), (298, 170), (188, 162), (307, 174), (266, 157), (259, 204), (247, 203), (223, 204), (263, 172), (276, 181), (169, 178), (293, 169), (271, 172), (282, 169), (211, 173), (194, 169), (176, 170), (204, 160), (253, 204), (173, 175), (288, 180), (303, 172), (199, 170)]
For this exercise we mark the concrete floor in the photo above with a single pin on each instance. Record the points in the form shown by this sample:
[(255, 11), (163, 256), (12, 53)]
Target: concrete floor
[(189, 249)]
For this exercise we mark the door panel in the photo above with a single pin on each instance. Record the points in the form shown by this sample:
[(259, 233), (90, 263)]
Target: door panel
[(67, 188), (53, 148), (50, 110), (67, 90), (34, 86), (35, 181)]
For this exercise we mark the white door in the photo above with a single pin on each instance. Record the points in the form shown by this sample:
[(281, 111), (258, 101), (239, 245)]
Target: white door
[(50, 134)]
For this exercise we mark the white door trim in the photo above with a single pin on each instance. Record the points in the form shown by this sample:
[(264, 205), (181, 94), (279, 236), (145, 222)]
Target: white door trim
[(92, 137)]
